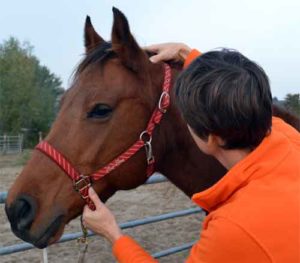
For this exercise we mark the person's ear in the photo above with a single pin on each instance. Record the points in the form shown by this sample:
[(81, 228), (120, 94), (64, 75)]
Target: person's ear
[(214, 142)]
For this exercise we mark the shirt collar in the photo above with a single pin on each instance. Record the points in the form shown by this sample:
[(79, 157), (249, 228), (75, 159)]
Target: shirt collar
[(259, 162)]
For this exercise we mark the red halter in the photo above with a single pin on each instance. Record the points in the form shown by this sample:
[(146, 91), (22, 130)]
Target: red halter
[(81, 182)]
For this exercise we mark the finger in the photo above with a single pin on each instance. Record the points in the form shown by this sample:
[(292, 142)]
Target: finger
[(86, 224), (86, 210), (94, 197), (152, 48), (157, 58)]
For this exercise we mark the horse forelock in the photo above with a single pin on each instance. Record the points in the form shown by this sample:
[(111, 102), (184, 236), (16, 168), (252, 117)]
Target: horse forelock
[(99, 55)]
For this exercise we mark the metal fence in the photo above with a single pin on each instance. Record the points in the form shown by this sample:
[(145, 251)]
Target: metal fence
[(157, 178), (11, 144)]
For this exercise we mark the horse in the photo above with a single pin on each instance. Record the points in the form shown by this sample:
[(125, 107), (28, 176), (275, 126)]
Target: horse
[(113, 95)]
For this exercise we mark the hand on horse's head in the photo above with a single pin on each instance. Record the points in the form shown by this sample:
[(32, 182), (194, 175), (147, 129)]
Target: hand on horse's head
[(101, 221), (168, 51)]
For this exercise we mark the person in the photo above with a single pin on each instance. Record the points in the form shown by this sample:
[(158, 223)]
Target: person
[(254, 209)]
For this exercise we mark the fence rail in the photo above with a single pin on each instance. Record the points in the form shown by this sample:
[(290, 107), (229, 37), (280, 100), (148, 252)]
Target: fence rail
[(11, 144), (154, 179), (157, 178), (129, 224)]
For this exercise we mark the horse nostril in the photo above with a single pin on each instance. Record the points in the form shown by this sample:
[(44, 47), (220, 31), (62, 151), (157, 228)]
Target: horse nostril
[(23, 208), (21, 213)]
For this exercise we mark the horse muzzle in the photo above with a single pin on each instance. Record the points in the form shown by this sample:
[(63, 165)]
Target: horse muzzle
[(21, 215)]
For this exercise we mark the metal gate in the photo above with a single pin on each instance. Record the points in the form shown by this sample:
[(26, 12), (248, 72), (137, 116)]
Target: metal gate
[(129, 224), (11, 144)]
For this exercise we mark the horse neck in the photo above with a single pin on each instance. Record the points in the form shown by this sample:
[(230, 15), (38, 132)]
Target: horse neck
[(178, 157)]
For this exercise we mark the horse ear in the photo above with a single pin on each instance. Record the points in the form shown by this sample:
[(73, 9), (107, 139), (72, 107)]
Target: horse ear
[(123, 43), (91, 38)]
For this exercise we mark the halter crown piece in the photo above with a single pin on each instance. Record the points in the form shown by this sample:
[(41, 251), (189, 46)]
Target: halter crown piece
[(82, 183)]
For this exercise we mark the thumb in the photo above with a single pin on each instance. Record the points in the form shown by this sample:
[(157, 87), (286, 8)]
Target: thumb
[(94, 197)]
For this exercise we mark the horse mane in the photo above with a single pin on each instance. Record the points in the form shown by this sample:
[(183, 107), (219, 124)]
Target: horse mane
[(99, 55), (286, 115)]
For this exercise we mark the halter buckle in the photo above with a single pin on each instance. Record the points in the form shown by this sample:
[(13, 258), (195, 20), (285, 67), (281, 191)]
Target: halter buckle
[(82, 183)]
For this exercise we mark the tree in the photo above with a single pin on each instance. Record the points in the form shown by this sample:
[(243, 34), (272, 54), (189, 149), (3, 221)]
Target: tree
[(28, 91), (292, 103)]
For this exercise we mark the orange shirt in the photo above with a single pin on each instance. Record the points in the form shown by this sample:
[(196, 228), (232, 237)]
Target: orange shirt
[(254, 209)]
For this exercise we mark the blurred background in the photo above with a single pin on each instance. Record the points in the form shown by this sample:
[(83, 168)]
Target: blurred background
[(41, 42)]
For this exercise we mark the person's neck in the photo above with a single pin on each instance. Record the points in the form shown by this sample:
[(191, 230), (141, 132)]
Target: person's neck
[(229, 158)]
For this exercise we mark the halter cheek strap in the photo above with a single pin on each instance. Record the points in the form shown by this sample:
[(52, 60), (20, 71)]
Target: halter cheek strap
[(81, 183)]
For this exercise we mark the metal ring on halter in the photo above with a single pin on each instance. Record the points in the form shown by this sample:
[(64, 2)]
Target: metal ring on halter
[(146, 133), (164, 95)]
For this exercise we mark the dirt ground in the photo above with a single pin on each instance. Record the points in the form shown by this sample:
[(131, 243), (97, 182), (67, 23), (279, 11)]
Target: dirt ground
[(127, 205)]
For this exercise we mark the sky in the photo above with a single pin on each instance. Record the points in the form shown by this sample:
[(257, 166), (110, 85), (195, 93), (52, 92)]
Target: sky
[(266, 31)]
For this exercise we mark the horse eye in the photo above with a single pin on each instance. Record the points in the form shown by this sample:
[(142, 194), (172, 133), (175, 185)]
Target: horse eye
[(100, 111)]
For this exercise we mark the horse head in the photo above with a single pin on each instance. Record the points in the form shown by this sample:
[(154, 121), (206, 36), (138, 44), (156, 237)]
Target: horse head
[(109, 103)]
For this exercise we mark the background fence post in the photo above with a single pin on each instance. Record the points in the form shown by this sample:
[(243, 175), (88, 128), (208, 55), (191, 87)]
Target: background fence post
[(11, 144), (20, 142), (4, 143), (40, 136)]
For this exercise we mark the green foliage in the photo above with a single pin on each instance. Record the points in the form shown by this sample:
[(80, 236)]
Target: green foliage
[(28, 92), (292, 103)]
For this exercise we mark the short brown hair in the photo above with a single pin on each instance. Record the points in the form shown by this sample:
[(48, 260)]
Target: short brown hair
[(226, 94)]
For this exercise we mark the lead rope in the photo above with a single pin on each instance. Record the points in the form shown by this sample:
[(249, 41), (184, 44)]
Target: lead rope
[(83, 243)]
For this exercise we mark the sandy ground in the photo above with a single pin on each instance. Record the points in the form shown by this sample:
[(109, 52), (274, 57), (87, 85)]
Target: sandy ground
[(144, 201)]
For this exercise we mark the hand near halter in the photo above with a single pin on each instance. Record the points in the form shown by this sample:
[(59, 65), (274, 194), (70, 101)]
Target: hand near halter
[(101, 221), (168, 51)]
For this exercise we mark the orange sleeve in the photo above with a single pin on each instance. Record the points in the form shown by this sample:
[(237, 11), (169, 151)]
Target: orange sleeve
[(221, 241), (126, 250), (226, 242), (191, 56)]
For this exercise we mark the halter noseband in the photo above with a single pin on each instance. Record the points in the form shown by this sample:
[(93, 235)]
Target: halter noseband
[(81, 183)]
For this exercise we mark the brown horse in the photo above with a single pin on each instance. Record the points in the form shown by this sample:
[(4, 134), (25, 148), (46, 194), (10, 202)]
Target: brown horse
[(114, 92)]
